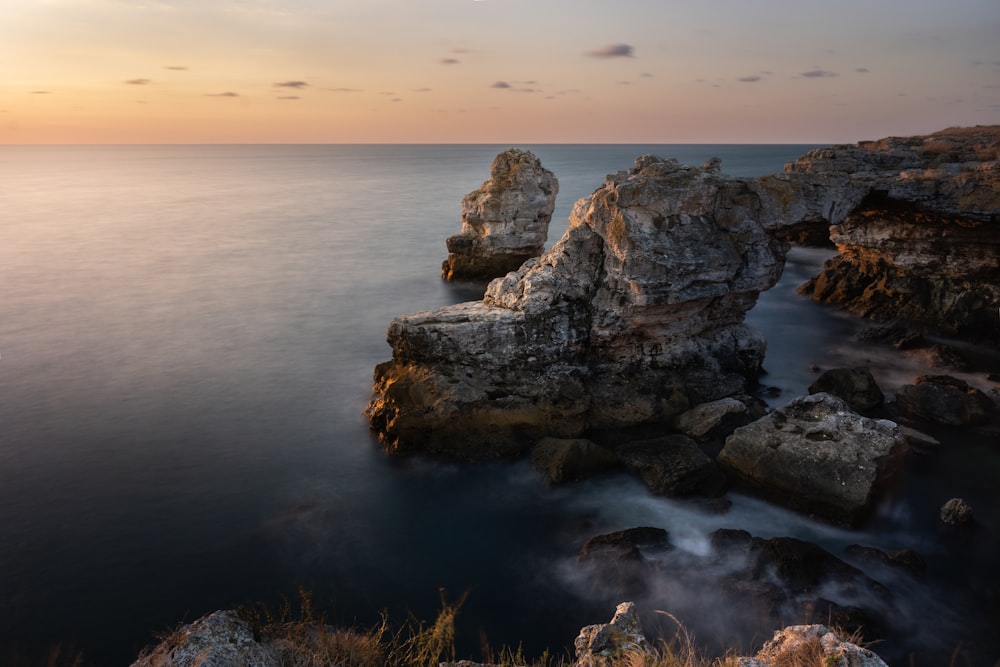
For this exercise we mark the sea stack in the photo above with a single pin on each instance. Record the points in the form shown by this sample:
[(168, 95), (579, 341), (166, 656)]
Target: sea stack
[(505, 221)]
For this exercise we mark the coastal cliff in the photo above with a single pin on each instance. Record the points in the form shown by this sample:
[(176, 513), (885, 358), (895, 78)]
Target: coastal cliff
[(636, 314)]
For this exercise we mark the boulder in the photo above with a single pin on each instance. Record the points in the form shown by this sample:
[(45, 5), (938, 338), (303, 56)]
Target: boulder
[(957, 512), (856, 386), (673, 465), (505, 222), (711, 423), (944, 399), (221, 639), (810, 645), (815, 455), (610, 644), (625, 544), (564, 460)]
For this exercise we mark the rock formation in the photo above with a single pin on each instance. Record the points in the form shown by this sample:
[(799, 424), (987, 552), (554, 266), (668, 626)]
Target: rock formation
[(814, 454), (811, 645), (608, 644), (923, 242), (634, 316), (221, 638), (945, 400), (505, 221)]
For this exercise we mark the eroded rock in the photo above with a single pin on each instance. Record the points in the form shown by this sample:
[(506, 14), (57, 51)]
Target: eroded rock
[(567, 459), (505, 221), (608, 644), (944, 399), (673, 465), (816, 455), (856, 386), (221, 639), (810, 645)]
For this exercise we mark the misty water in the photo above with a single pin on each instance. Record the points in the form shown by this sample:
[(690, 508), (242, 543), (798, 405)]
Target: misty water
[(187, 339)]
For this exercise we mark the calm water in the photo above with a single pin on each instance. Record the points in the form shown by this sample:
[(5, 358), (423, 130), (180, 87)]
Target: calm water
[(187, 337)]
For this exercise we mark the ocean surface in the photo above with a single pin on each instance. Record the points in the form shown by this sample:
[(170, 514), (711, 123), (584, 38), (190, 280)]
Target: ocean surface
[(187, 339)]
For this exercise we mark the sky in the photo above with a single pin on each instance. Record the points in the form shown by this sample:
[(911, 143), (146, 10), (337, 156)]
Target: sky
[(494, 71)]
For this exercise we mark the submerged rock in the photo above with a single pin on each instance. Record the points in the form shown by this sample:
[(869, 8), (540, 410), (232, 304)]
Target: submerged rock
[(505, 221), (816, 455)]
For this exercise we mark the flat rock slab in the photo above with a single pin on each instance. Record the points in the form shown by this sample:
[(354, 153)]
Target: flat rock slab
[(816, 455)]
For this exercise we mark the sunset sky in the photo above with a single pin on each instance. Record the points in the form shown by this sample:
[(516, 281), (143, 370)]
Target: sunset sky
[(494, 71)]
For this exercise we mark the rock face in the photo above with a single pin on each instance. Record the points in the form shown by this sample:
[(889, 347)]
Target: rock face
[(505, 221), (923, 243), (816, 455), (634, 316)]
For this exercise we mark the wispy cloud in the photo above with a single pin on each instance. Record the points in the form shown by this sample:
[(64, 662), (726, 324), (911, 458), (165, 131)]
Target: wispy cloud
[(753, 78), (228, 93), (289, 97), (138, 82), (500, 84), (818, 74), (422, 90), (646, 75), (613, 51), (291, 84), (41, 92), (449, 61), (862, 70), (177, 68), (344, 90)]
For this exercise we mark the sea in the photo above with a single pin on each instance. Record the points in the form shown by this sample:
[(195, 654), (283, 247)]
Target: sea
[(187, 340)]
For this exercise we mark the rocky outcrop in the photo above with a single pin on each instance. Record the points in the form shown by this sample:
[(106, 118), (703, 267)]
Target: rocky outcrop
[(633, 317), (568, 459), (816, 455), (673, 465), (610, 644), (957, 512), (636, 314), (505, 221), (923, 242), (221, 639)]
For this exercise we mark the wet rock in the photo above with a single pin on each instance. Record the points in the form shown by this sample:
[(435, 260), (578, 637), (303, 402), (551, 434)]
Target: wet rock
[(623, 544), (609, 644), (713, 422), (221, 639), (857, 386), (506, 221), (673, 465), (957, 512), (906, 560), (810, 645), (944, 399), (815, 455), (564, 460)]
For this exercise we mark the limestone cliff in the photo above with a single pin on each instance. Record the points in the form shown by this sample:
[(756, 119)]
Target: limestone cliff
[(505, 221)]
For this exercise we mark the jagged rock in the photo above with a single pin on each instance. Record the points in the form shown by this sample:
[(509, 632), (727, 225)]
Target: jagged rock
[(563, 460), (810, 645), (957, 512), (815, 455), (505, 221), (945, 400), (635, 315), (907, 560), (221, 639), (673, 465), (606, 645), (856, 386), (922, 244)]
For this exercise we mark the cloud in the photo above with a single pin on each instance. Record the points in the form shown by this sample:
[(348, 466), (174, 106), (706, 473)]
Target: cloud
[(299, 85), (612, 51), (500, 84), (289, 97), (862, 70), (344, 90), (449, 61), (422, 90), (225, 94), (177, 68), (41, 92), (646, 75), (750, 79), (818, 74), (138, 82)]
